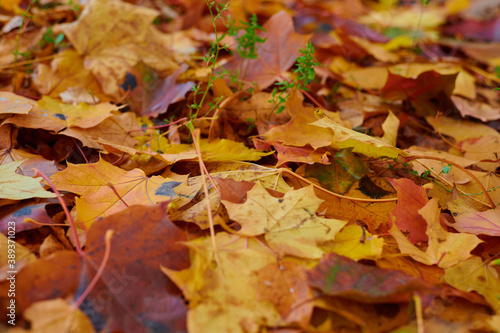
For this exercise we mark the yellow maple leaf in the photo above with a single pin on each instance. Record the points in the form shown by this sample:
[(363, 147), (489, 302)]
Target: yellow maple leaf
[(66, 73), (445, 249), (343, 137), (290, 223), (56, 315), (225, 298), (473, 275), (18, 187), (113, 36), (81, 115), (106, 189), (197, 211), (355, 243)]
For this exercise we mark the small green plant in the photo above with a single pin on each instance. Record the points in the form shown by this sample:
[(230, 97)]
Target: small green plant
[(247, 43), (75, 6), (25, 15), (305, 73), (217, 12), (49, 38), (497, 72)]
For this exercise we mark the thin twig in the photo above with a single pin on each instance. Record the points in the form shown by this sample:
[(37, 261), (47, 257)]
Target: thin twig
[(196, 137)]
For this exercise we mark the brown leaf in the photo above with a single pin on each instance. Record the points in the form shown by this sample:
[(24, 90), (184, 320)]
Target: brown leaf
[(340, 276), (133, 294)]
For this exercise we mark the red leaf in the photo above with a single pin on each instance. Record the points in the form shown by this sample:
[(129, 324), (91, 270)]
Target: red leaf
[(411, 198)]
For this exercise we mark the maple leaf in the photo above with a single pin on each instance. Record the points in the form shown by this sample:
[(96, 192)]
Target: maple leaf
[(299, 131), (276, 55), (376, 77), (343, 137), (17, 187), (218, 150), (106, 189), (304, 128), (445, 249), (461, 129), (339, 276), (290, 223), (479, 223), (68, 73), (86, 123), (339, 176), (56, 315), (116, 131), (131, 278), (483, 148), (15, 104), (194, 206), (453, 174), (411, 198), (227, 298), (81, 115), (355, 243), (300, 154), (428, 93), (48, 278), (117, 42), (286, 286), (373, 216), (473, 275), (482, 111), (167, 93), (24, 211), (138, 294)]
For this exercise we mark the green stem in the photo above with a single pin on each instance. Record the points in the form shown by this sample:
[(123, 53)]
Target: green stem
[(470, 174)]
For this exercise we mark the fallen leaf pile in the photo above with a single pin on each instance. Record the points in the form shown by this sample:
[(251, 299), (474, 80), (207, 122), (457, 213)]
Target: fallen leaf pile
[(154, 179)]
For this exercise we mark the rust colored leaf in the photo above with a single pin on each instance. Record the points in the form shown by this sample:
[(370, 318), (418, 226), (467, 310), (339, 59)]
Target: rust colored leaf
[(340, 276), (411, 198), (133, 295), (54, 276), (301, 154), (428, 93), (286, 287), (234, 191)]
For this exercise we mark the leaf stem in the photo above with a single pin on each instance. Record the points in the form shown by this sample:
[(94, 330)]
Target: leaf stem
[(107, 250), (66, 211), (281, 170)]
